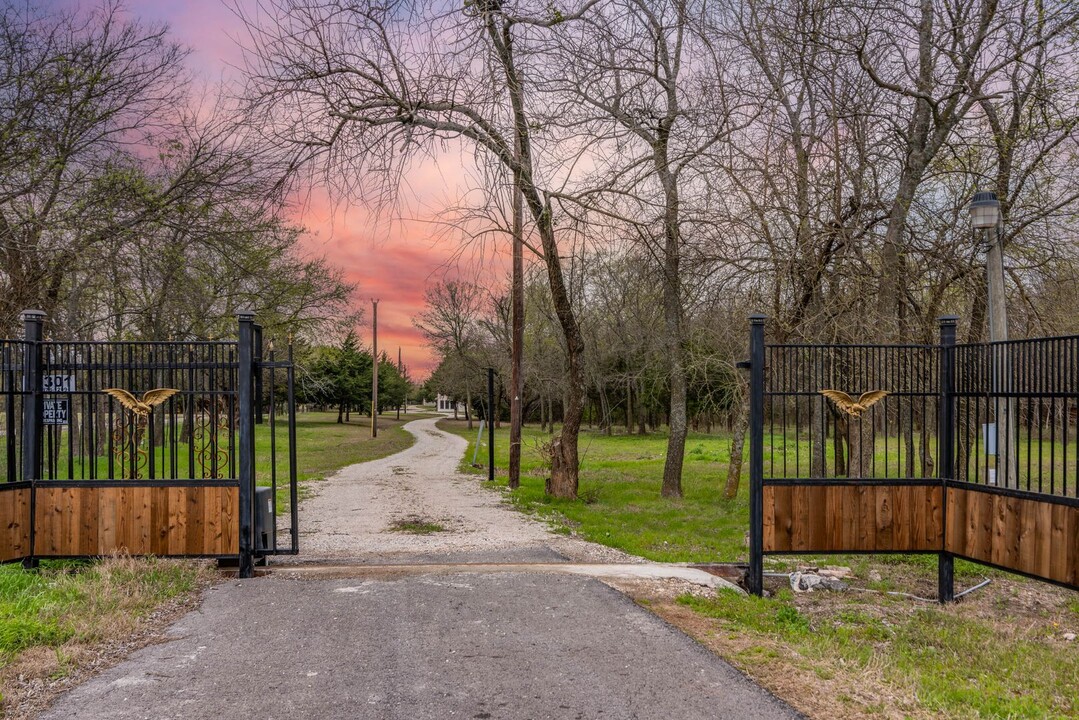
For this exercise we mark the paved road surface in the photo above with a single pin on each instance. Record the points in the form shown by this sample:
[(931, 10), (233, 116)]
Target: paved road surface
[(417, 645)]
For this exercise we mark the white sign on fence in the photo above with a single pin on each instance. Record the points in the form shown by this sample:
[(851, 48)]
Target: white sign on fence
[(55, 411), (58, 383)]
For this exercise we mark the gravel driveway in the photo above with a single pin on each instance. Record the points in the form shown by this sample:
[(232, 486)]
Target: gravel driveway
[(351, 515)]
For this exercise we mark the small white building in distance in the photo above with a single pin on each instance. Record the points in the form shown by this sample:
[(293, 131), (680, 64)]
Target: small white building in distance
[(445, 404)]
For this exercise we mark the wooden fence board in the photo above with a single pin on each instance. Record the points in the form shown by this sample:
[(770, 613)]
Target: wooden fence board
[(866, 512), (14, 523)]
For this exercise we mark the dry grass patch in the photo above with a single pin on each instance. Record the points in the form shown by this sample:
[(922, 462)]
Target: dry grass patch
[(68, 620), (1000, 652)]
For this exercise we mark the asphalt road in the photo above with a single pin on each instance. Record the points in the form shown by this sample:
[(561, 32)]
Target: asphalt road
[(507, 646)]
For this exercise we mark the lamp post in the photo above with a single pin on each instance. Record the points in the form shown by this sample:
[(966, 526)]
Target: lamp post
[(985, 216)]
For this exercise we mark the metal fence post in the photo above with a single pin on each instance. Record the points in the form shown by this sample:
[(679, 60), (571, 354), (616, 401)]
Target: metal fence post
[(755, 577), (946, 450), (245, 391), (490, 424), (32, 407)]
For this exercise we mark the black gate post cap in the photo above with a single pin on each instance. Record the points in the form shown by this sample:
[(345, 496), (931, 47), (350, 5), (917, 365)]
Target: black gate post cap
[(757, 319), (31, 315), (948, 319), (245, 315)]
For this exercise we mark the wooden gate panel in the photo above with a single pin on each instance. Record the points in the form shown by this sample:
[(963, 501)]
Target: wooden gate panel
[(1035, 537), (141, 519), (848, 517), (14, 521)]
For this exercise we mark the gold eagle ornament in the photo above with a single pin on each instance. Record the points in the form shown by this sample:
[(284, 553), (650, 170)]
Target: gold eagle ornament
[(142, 408), (853, 407)]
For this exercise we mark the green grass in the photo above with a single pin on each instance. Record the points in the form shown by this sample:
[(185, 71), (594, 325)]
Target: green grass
[(954, 664), (52, 618), (619, 501), (788, 454), (415, 525), (49, 606)]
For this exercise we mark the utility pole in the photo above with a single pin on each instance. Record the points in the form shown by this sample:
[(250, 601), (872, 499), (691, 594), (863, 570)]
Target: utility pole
[(401, 372), (374, 368), (998, 333), (994, 268)]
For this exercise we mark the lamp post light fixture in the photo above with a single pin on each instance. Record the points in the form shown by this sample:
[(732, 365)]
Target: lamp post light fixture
[(984, 210)]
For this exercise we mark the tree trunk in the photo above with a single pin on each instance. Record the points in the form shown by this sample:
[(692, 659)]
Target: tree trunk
[(738, 443), (838, 445), (642, 414), (818, 465), (517, 310), (861, 438), (605, 410), (672, 326), (564, 462), (468, 408)]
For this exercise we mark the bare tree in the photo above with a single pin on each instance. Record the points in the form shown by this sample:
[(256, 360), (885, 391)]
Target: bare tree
[(450, 325), (649, 82), (364, 86)]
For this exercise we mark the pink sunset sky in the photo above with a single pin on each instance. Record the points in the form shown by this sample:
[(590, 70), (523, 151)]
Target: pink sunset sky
[(389, 258)]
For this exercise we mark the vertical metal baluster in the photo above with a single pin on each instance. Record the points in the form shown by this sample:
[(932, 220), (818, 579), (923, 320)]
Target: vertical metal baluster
[(190, 401), (1055, 359), (783, 422), (172, 436)]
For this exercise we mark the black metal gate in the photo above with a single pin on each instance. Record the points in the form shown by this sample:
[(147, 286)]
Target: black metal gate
[(959, 450), (147, 447)]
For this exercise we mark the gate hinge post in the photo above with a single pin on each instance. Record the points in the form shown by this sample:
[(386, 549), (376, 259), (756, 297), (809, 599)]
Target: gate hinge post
[(755, 574), (946, 450), (32, 403), (245, 399)]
